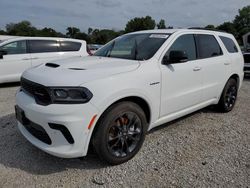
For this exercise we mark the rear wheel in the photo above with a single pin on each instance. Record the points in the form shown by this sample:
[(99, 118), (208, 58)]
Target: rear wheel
[(120, 132), (229, 96)]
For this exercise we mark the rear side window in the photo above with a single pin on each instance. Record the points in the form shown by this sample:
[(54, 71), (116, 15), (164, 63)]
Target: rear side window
[(41, 46), (66, 46), (17, 47), (208, 46), (229, 44), (184, 43)]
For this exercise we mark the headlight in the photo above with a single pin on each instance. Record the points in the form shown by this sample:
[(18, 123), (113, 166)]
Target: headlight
[(70, 95)]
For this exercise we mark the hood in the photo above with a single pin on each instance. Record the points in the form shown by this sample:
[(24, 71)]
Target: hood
[(79, 70)]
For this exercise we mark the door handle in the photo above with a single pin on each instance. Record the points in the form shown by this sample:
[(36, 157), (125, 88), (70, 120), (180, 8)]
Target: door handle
[(197, 69), (227, 63), (34, 58)]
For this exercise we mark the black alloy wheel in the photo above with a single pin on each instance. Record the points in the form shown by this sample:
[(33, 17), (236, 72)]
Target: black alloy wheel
[(120, 132), (229, 96), (124, 134)]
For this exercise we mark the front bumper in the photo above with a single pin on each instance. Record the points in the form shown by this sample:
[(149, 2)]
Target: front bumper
[(75, 118)]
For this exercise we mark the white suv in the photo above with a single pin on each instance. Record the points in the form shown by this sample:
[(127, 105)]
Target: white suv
[(20, 53), (134, 83)]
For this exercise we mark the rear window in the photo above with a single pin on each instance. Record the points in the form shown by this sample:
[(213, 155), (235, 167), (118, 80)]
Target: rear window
[(40, 46), (208, 46), (69, 46), (229, 44)]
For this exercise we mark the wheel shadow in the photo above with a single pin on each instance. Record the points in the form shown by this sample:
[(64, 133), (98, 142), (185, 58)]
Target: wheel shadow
[(17, 152)]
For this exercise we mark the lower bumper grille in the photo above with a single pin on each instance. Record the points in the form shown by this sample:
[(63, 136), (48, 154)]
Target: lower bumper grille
[(38, 132)]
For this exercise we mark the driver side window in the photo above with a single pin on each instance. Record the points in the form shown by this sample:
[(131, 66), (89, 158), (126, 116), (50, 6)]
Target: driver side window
[(185, 43), (17, 47)]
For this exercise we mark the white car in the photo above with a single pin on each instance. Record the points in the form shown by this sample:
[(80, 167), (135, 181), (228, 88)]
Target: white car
[(94, 47), (134, 83), (20, 53)]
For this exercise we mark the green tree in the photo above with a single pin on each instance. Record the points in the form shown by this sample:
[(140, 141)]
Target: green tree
[(72, 32), (103, 36), (228, 27), (90, 30), (242, 21), (2, 32), (82, 36), (49, 32), (210, 27), (137, 24), (23, 28), (161, 24)]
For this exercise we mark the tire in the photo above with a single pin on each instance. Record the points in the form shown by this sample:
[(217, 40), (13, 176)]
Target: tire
[(120, 133), (228, 96)]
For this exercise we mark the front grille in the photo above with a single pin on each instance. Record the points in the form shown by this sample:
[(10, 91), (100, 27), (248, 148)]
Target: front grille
[(38, 132), (39, 92)]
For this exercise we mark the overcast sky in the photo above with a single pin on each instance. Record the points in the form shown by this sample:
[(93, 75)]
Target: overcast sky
[(114, 14)]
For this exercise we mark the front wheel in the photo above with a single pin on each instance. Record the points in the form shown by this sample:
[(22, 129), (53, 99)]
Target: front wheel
[(229, 96), (120, 133)]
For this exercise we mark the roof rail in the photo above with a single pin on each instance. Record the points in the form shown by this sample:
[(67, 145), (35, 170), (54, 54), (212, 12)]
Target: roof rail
[(209, 29)]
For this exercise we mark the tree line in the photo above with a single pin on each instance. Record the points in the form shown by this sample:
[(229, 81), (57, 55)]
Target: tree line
[(238, 27)]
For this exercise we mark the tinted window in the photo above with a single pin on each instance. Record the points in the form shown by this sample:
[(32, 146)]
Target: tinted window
[(17, 47), (40, 46), (69, 46), (208, 46), (184, 43), (248, 39), (229, 44)]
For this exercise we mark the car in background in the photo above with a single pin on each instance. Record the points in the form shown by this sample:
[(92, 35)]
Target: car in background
[(94, 47), (19, 53), (247, 63), (246, 53)]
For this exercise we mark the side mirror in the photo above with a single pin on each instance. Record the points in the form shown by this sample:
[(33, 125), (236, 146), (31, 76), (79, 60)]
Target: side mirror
[(175, 57), (2, 53)]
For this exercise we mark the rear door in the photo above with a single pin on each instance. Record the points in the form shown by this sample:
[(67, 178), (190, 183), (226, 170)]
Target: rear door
[(214, 65), (15, 62)]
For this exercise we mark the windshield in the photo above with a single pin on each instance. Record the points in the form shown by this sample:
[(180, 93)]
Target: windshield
[(133, 46)]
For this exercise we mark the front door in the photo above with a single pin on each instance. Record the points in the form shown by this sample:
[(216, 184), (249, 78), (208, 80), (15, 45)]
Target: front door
[(181, 82)]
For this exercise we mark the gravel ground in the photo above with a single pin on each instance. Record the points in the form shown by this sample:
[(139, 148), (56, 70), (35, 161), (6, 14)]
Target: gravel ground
[(204, 149)]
